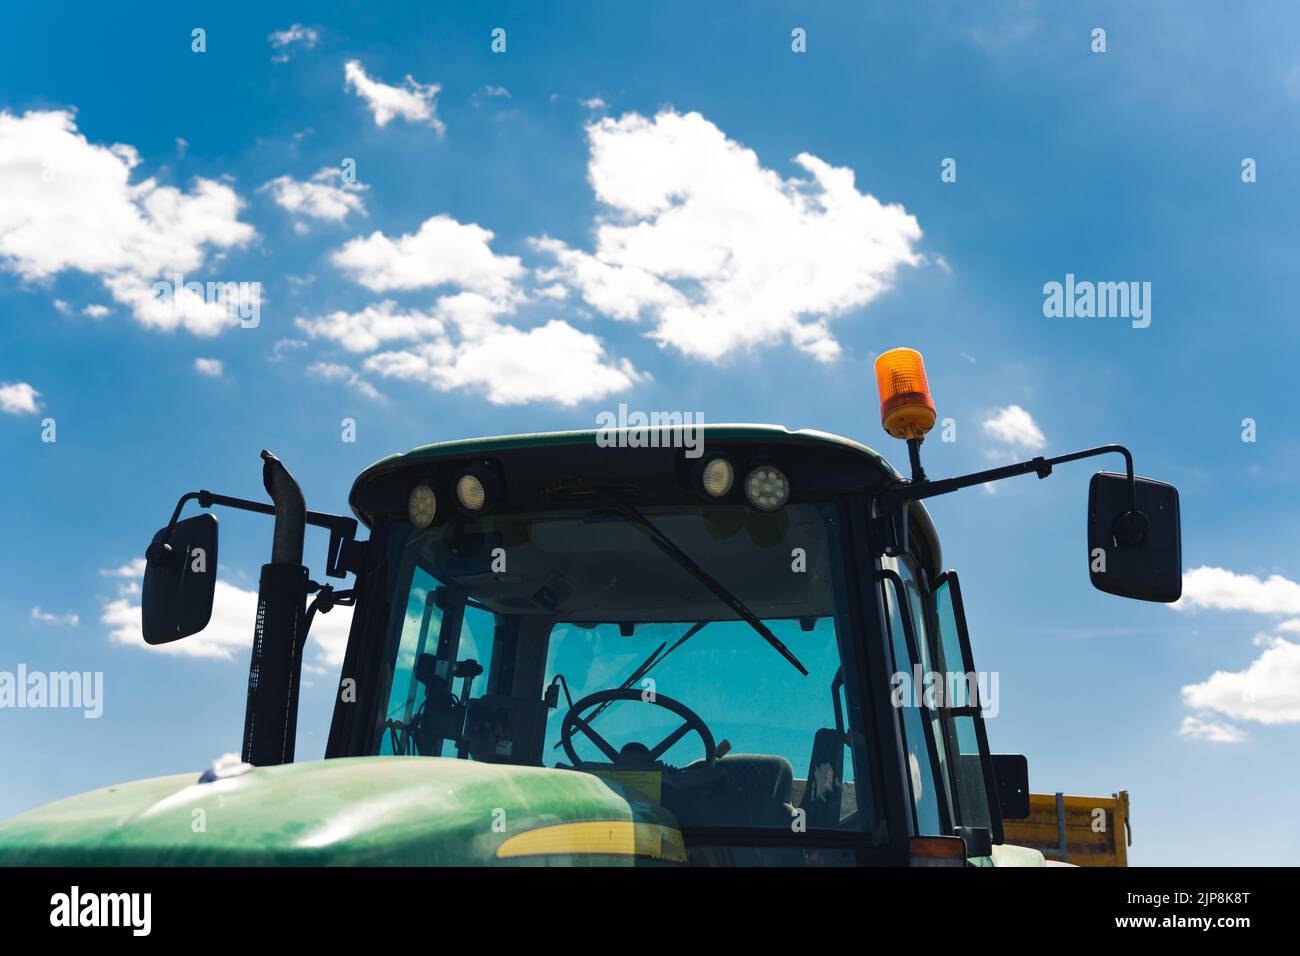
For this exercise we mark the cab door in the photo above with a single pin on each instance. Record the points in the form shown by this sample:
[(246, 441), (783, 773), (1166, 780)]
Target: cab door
[(961, 712), (940, 698), (912, 660)]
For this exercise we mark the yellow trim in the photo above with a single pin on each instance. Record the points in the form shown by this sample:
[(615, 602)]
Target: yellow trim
[(606, 837)]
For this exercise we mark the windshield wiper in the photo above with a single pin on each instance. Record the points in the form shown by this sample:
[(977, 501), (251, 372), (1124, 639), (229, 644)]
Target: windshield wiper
[(665, 544)]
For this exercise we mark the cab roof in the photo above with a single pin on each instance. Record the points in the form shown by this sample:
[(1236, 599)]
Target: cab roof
[(477, 447), (480, 446)]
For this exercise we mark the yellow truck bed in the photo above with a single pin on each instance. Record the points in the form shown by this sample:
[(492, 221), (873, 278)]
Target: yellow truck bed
[(1095, 831)]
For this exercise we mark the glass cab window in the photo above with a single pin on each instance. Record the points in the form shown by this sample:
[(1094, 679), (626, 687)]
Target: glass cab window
[(963, 727), (911, 693), (938, 695), (576, 639)]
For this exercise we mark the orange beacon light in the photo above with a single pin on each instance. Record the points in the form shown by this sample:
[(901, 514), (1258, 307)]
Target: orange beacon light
[(906, 408)]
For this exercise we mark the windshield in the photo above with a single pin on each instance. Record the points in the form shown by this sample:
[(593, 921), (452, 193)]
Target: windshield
[(580, 639)]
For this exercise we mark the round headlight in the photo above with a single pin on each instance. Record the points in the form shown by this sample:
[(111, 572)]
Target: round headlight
[(767, 488), (470, 492), (422, 506), (718, 476)]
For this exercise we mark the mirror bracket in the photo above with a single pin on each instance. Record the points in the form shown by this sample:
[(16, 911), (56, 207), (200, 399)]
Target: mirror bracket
[(342, 554), (892, 502)]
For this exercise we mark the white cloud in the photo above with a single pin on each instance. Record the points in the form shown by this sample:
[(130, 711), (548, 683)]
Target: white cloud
[(595, 103), (442, 252), (462, 342), (496, 91), (229, 634), (72, 620), (166, 307), (18, 398), (717, 251), (1224, 590), (319, 197), (96, 311), (373, 326), (1267, 691), (133, 569), (722, 253), (208, 366), (333, 372), (296, 35), (554, 362), (616, 291), (414, 102), (68, 204), (1015, 427), (1211, 730), (284, 346)]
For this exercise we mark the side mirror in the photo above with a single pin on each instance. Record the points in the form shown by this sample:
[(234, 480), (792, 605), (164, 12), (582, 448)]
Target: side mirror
[(1134, 555), (180, 578), (1011, 773)]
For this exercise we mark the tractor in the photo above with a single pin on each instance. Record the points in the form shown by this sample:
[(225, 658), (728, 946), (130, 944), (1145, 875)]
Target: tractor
[(627, 647)]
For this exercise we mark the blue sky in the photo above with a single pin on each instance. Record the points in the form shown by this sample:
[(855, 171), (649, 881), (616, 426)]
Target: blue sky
[(657, 239)]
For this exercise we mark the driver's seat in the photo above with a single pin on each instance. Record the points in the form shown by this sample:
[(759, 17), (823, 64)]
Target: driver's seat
[(739, 790)]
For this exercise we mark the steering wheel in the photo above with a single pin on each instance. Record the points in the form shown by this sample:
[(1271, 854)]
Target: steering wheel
[(574, 720)]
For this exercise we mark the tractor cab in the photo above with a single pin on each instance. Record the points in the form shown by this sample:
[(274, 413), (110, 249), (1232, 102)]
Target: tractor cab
[(692, 630), (617, 645)]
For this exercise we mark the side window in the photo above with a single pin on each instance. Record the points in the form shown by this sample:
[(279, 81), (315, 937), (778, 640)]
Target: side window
[(436, 633), (420, 626), (918, 729), (930, 694), (964, 730)]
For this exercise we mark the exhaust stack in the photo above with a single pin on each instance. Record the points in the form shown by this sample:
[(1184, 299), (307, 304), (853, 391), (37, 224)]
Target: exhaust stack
[(275, 670)]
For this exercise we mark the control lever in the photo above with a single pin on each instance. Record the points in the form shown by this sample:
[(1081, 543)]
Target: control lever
[(467, 670)]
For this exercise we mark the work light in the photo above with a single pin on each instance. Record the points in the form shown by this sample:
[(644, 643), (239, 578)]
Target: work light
[(767, 488), (717, 477), (470, 492), (421, 506)]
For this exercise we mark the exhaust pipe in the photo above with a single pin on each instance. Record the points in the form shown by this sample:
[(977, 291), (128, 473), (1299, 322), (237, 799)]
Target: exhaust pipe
[(290, 510), (275, 671)]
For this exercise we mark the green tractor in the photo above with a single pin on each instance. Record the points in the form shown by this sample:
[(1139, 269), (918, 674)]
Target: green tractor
[(662, 644)]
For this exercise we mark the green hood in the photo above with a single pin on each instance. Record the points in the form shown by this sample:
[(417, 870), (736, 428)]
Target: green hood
[(410, 811)]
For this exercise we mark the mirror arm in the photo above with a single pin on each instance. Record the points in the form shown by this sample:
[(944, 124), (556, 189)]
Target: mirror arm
[(915, 491), (893, 500), (342, 530)]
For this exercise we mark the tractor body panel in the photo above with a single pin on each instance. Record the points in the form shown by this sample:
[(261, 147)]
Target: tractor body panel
[(349, 811)]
